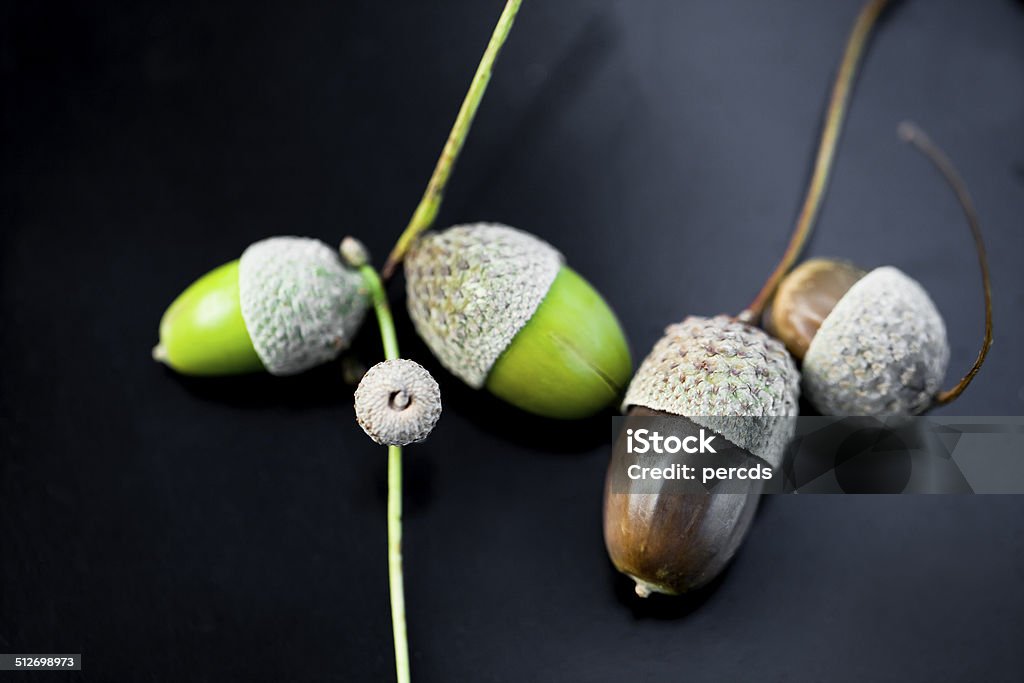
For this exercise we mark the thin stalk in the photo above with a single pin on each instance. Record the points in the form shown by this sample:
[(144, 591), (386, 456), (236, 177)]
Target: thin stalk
[(395, 575), (383, 310), (430, 204), (835, 114), (915, 136)]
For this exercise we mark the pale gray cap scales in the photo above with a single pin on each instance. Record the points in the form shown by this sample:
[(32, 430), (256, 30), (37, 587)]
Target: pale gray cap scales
[(301, 305), (881, 351), (726, 376), (471, 288), (397, 402)]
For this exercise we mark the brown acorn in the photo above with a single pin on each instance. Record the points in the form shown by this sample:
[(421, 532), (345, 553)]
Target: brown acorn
[(725, 376), (879, 347), (874, 344)]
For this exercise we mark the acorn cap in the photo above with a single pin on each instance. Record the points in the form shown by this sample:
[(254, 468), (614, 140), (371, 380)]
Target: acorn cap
[(471, 288), (881, 351), (397, 402), (721, 373), (301, 305)]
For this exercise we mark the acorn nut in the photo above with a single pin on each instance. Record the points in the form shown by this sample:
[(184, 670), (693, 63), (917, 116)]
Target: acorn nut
[(499, 309), (881, 348), (805, 297), (397, 402), (725, 376), (288, 304)]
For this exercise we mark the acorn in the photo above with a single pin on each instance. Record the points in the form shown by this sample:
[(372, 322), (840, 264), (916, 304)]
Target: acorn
[(499, 309), (880, 347), (288, 304), (725, 376), (875, 344), (397, 402)]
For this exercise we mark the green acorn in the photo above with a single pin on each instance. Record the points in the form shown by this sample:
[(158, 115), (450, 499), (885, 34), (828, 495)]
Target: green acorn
[(499, 309), (288, 304)]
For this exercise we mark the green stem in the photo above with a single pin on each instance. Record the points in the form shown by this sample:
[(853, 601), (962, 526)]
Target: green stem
[(395, 574), (429, 205), (383, 310), (395, 563)]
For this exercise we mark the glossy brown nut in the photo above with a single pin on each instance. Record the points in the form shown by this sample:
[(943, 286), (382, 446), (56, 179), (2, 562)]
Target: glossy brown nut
[(666, 541), (805, 298)]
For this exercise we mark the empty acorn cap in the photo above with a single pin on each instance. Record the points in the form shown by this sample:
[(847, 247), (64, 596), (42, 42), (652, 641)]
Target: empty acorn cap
[(721, 373), (472, 288), (397, 402), (302, 306), (881, 351)]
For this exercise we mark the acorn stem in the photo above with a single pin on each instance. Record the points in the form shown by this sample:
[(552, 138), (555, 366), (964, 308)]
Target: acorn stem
[(396, 580), (835, 114), (429, 205), (382, 309), (395, 576), (909, 132)]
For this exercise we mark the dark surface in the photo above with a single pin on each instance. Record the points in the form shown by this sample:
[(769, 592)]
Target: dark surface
[(177, 530)]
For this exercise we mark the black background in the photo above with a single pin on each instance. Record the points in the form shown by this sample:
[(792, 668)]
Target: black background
[(175, 530)]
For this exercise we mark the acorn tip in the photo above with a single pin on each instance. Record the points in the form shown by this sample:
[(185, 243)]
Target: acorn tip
[(354, 252), (160, 354)]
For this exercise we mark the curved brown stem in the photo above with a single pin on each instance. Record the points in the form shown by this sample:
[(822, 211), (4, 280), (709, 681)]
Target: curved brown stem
[(915, 136), (834, 117)]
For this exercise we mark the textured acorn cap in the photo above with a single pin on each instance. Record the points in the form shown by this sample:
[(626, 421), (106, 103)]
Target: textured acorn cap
[(397, 402), (726, 376), (881, 351), (301, 305), (471, 288)]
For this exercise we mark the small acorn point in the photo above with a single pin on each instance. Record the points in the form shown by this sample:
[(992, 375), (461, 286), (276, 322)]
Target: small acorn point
[(354, 252), (160, 354), (641, 590)]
